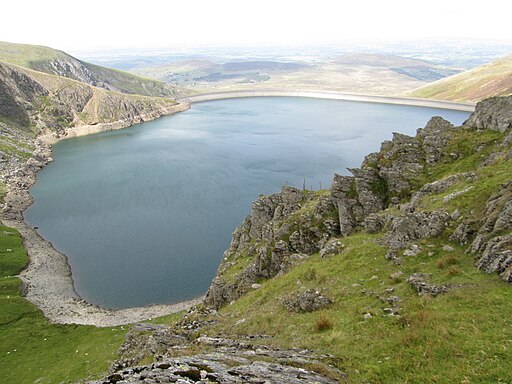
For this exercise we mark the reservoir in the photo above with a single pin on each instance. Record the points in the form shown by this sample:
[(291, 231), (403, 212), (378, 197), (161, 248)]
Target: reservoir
[(144, 214)]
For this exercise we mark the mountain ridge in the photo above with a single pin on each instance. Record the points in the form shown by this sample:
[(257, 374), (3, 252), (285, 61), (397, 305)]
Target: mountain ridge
[(56, 62), (492, 79)]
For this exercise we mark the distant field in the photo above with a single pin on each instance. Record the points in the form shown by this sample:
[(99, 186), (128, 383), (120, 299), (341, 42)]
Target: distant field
[(356, 73)]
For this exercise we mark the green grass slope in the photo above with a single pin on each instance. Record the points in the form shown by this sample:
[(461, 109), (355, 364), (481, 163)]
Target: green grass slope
[(59, 63), (462, 336), (32, 350), (493, 79)]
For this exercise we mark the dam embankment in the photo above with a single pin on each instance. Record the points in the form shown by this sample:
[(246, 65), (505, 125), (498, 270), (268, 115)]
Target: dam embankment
[(466, 107)]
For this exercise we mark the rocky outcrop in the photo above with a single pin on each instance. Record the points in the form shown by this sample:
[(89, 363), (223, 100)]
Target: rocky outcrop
[(356, 197), (493, 243), (494, 113), (308, 301), (206, 368), (421, 283), (279, 232), (286, 228), (387, 177), (207, 359)]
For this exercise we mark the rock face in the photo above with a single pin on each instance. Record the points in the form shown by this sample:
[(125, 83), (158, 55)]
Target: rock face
[(494, 113), (356, 197), (387, 177), (493, 243), (272, 241)]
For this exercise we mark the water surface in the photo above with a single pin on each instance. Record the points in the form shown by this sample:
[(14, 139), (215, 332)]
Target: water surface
[(145, 213)]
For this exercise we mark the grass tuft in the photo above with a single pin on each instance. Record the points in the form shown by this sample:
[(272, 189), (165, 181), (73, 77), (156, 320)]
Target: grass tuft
[(446, 261), (323, 323)]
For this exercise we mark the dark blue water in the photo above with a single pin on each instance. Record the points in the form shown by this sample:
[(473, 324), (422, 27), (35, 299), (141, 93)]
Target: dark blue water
[(145, 213)]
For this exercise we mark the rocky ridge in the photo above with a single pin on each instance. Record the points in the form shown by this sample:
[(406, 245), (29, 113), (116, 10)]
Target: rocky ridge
[(220, 360), (289, 226), (55, 62)]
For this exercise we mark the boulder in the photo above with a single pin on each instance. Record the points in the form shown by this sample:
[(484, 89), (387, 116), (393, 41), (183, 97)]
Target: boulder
[(307, 301), (420, 282)]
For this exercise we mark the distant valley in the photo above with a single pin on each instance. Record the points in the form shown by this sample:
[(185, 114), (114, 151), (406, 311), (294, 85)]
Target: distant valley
[(387, 70), (358, 73)]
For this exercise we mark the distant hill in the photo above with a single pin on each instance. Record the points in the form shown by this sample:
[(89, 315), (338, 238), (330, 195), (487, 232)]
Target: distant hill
[(55, 62), (262, 65), (417, 69), (379, 59), (493, 79), (32, 102)]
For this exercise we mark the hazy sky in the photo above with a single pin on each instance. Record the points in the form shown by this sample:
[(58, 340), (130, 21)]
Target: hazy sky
[(150, 23)]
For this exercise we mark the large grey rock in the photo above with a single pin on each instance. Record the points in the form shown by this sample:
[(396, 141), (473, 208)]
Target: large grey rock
[(464, 232), (307, 301), (434, 138), (493, 244), (420, 282), (496, 256), (332, 247), (494, 113), (415, 226), (207, 369), (350, 212), (356, 197)]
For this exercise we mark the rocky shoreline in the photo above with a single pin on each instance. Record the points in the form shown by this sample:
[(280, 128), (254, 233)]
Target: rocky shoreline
[(47, 280)]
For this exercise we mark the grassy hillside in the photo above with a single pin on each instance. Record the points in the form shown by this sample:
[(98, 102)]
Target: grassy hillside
[(464, 335), (32, 350), (493, 79), (34, 100), (59, 63)]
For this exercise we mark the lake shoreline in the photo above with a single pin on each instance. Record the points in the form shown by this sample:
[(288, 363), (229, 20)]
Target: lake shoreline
[(47, 281)]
